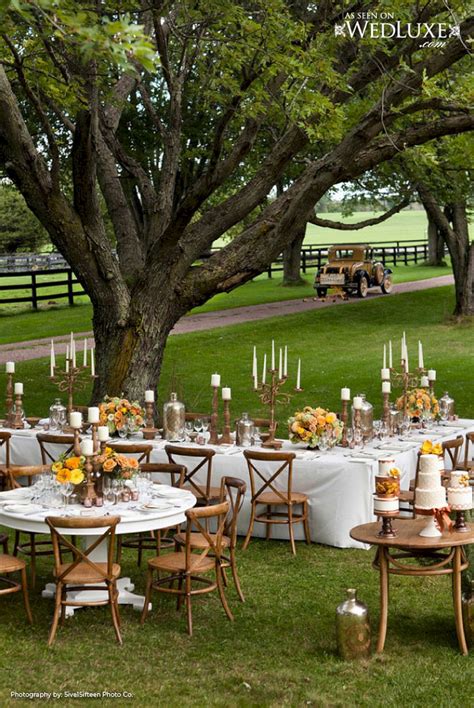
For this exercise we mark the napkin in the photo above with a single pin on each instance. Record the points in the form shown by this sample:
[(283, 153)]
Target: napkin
[(23, 508)]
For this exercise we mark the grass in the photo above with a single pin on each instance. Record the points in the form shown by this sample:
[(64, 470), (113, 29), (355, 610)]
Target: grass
[(340, 346), (281, 649), (56, 320)]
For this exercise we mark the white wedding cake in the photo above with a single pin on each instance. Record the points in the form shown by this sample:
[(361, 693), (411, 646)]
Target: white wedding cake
[(459, 491), (429, 492)]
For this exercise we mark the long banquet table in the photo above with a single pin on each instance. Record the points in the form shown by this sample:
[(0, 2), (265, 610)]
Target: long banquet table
[(339, 482)]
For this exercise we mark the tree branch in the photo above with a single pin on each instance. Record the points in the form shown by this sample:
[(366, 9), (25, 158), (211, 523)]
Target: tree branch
[(340, 225)]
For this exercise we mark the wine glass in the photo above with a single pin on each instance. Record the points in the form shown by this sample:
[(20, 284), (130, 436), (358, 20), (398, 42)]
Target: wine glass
[(198, 425), (323, 443), (123, 431), (256, 438), (66, 490), (205, 424), (350, 437), (188, 428), (383, 431)]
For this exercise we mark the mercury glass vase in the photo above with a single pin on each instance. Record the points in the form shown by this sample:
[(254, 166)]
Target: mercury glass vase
[(173, 420), (352, 628)]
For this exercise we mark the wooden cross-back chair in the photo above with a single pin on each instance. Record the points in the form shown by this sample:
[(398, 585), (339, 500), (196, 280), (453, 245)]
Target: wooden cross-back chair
[(84, 573), (35, 546), (202, 460), (468, 462), (158, 539), (189, 415), (142, 451), (233, 491), (453, 448), (265, 492), (4, 466), (46, 440), (11, 564), (189, 565)]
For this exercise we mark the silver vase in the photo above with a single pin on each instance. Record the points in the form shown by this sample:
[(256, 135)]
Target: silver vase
[(173, 420), (352, 628)]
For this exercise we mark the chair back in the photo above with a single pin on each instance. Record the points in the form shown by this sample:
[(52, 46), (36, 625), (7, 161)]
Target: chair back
[(453, 448), (82, 555), (5, 443), (203, 457), (263, 480), (46, 440), (219, 513), (141, 450), (28, 471), (175, 472), (232, 490), (467, 446), (189, 415)]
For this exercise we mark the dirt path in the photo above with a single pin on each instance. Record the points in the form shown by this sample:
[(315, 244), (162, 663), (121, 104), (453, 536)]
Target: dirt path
[(36, 348)]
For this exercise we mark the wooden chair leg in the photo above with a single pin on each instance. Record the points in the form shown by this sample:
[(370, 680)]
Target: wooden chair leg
[(222, 596), (26, 599), (57, 610), (249, 532), (114, 610), (189, 612), (140, 551), (33, 559), (5, 545), (268, 533), (233, 566), (291, 529), (307, 531), (16, 543), (149, 582), (119, 549)]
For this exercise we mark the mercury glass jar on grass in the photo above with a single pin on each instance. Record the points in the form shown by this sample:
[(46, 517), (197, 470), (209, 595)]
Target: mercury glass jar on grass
[(353, 628)]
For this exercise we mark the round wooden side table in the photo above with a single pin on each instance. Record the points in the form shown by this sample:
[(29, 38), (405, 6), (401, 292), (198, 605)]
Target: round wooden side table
[(446, 552)]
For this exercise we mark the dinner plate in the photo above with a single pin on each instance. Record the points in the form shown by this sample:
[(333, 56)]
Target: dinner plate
[(23, 508)]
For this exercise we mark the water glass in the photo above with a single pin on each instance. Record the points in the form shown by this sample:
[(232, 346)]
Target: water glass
[(188, 428), (66, 490), (323, 441), (198, 425)]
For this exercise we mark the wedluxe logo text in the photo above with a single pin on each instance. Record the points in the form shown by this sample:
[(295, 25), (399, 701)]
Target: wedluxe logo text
[(384, 26)]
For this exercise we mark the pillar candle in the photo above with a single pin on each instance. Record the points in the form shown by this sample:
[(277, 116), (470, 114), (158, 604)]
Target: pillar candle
[(53, 355), (357, 403), (87, 447), (264, 370), (18, 389), (386, 388), (10, 367), (149, 396), (75, 419), (432, 375), (420, 355), (102, 433), (93, 414), (345, 394), (385, 374), (226, 394), (215, 380), (424, 382)]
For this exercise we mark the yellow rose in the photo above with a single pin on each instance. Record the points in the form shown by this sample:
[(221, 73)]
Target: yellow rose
[(331, 418), (427, 447), (56, 466), (437, 449), (76, 476), (73, 463), (63, 475), (321, 421)]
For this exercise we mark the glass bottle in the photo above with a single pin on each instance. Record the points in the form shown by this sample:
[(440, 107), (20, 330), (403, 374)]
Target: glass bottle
[(352, 628), (446, 407), (174, 419), (366, 418), (57, 415), (245, 428)]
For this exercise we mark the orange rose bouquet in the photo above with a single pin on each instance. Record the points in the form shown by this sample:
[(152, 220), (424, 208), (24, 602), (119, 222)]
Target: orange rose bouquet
[(117, 465), (309, 424), (69, 468), (419, 401), (119, 414)]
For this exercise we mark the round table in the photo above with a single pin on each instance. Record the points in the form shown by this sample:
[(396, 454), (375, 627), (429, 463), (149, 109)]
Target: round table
[(133, 522), (409, 545)]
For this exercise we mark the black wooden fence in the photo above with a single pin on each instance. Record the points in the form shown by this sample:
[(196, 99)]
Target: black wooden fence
[(28, 265)]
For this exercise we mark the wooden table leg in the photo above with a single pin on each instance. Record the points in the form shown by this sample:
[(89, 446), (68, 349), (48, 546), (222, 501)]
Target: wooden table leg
[(457, 600), (383, 569)]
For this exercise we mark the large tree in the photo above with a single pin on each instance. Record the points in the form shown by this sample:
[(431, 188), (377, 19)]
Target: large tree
[(161, 107)]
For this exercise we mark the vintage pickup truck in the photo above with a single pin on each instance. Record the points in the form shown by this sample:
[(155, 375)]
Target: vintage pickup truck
[(351, 269)]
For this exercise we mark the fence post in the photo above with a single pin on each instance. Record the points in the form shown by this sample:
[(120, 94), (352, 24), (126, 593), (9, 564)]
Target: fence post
[(34, 298), (269, 272), (303, 253), (406, 255), (70, 293)]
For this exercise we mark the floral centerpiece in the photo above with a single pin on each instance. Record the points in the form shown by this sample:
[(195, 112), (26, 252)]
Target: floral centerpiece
[(418, 402), (309, 424), (120, 414), (117, 465), (69, 469)]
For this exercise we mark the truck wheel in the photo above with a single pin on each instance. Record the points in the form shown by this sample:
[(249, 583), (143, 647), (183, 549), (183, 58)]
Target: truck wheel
[(362, 287), (387, 284), (322, 292)]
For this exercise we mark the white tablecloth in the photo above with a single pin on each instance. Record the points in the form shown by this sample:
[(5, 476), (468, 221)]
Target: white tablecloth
[(339, 483)]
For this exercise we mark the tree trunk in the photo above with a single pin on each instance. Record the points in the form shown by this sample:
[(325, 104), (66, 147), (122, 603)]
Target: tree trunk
[(462, 255), (435, 244), (292, 259)]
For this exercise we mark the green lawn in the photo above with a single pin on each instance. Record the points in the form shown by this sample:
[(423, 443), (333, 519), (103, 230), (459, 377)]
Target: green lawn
[(61, 319), (281, 648), (340, 346)]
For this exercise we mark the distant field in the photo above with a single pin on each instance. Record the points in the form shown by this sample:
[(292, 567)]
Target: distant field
[(408, 224)]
